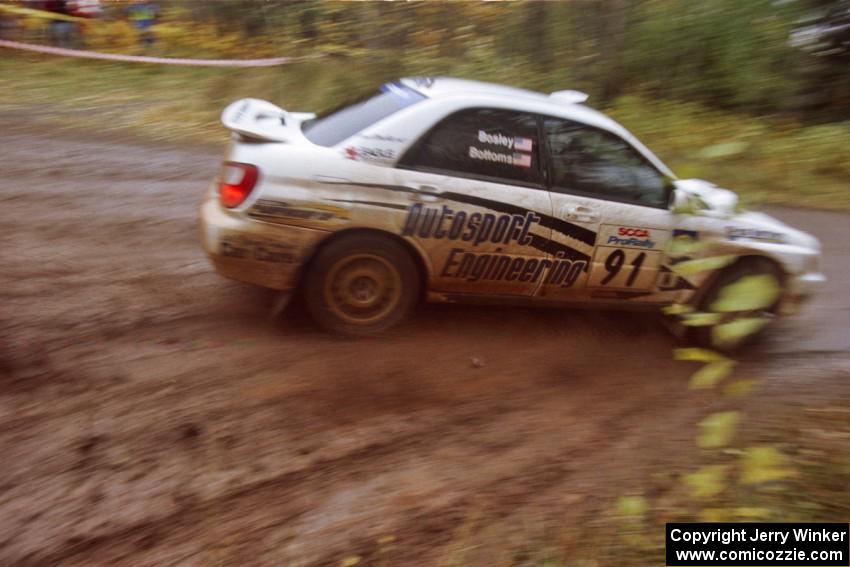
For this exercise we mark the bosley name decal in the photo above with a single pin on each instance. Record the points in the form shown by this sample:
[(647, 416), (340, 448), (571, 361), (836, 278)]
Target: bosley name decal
[(510, 142)]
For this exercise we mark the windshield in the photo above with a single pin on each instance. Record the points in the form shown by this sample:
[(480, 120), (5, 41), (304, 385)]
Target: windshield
[(341, 123)]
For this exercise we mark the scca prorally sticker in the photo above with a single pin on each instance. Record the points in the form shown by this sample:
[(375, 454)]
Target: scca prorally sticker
[(631, 237), (446, 223), (477, 266)]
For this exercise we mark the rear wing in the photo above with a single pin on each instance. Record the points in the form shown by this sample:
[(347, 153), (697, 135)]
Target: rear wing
[(261, 120)]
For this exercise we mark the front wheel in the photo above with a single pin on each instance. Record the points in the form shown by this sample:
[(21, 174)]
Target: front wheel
[(361, 285), (746, 298)]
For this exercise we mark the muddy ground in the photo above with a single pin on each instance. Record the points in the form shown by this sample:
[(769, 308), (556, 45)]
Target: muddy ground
[(152, 413)]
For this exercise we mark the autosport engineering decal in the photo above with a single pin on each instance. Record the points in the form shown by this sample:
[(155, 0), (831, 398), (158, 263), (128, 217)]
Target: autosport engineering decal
[(446, 223), (514, 224), (573, 231), (476, 266)]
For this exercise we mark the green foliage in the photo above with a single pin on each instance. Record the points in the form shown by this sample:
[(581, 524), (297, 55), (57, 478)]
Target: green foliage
[(740, 387), (750, 293), (734, 53), (717, 429), (723, 53), (677, 309), (711, 374), (698, 355), (763, 464), (686, 246), (707, 482), (691, 267), (632, 506), (730, 334), (700, 319)]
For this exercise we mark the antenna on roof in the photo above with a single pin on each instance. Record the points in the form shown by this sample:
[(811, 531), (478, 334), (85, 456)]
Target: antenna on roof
[(570, 97)]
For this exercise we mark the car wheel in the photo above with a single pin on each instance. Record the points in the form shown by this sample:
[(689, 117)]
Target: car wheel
[(703, 336), (361, 285)]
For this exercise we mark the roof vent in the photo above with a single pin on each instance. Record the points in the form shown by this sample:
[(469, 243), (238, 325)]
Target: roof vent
[(570, 97)]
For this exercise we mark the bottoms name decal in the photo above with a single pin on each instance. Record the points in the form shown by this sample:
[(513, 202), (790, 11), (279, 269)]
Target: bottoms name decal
[(517, 159)]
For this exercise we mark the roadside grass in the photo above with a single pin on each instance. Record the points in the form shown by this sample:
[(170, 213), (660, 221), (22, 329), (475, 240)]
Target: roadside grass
[(764, 159), (808, 486)]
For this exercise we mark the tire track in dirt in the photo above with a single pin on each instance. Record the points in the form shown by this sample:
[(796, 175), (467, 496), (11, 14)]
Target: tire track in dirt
[(274, 495)]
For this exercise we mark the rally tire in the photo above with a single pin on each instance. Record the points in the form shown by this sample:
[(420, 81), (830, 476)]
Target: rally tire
[(752, 266), (362, 284)]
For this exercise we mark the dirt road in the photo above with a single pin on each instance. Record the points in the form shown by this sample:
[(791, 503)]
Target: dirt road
[(151, 413)]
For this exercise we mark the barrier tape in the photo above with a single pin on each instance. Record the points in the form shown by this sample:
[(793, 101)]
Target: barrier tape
[(271, 62), (40, 14)]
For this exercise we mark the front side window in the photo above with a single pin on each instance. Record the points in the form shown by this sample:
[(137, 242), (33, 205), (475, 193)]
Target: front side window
[(347, 120), (600, 164), (489, 143)]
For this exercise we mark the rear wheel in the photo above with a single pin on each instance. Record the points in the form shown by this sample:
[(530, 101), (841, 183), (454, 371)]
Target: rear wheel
[(361, 285), (704, 336)]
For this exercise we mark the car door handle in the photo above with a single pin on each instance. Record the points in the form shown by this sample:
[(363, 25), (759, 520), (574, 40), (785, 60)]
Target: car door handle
[(581, 214), (425, 194)]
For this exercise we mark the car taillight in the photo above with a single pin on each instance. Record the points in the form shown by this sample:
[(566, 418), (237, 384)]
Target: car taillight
[(236, 183)]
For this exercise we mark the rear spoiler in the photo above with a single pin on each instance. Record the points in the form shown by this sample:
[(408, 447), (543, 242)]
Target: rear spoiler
[(262, 120)]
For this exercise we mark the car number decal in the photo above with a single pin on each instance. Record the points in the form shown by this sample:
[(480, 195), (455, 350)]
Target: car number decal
[(628, 257)]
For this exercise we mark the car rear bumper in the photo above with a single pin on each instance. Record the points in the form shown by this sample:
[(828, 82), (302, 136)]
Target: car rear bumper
[(261, 253)]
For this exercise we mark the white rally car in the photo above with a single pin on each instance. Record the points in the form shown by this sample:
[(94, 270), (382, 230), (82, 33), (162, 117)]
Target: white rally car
[(456, 190)]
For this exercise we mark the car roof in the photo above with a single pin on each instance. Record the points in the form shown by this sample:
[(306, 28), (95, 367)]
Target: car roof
[(521, 99), (527, 101), (435, 87)]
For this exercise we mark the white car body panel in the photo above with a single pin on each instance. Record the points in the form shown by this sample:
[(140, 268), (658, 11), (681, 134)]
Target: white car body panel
[(555, 246)]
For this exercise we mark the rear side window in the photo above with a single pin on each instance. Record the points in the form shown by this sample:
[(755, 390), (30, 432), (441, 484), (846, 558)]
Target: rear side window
[(344, 122), (490, 143)]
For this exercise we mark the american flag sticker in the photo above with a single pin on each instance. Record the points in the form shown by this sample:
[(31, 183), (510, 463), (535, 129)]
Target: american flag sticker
[(523, 144), (522, 160)]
